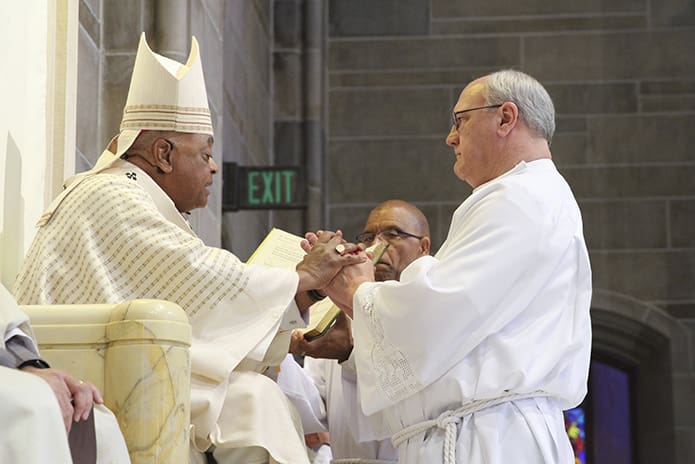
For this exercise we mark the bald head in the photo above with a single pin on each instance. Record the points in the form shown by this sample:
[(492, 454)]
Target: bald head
[(405, 228), (410, 216)]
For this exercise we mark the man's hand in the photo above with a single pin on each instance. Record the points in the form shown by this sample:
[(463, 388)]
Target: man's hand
[(75, 397), (323, 260), (316, 439), (344, 285), (336, 343)]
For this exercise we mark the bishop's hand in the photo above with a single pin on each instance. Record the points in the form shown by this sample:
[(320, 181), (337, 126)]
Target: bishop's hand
[(327, 253)]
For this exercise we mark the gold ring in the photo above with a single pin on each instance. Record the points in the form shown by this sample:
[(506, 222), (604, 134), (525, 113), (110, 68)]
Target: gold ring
[(340, 248)]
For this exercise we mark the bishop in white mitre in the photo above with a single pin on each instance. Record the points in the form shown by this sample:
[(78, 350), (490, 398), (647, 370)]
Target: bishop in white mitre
[(118, 232)]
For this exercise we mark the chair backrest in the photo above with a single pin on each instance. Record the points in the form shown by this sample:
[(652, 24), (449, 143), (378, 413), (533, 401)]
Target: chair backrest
[(138, 354)]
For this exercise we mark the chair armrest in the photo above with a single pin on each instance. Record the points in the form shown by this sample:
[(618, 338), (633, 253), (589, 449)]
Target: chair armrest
[(138, 353)]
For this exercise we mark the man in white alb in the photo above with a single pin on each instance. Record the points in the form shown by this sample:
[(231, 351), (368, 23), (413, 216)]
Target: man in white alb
[(475, 353), (119, 232), (405, 229)]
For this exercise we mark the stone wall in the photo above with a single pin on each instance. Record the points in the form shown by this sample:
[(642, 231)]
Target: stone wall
[(299, 74), (248, 109), (274, 72)]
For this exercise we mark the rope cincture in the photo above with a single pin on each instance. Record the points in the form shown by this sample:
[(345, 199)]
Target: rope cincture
[(361, 461), (449, 420)]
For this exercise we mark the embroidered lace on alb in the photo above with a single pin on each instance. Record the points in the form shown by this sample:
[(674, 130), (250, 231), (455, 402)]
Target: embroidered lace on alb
[(395, 376)]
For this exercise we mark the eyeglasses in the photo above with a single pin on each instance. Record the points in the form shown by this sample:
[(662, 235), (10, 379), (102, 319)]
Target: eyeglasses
[(391, 235), (457, 120)]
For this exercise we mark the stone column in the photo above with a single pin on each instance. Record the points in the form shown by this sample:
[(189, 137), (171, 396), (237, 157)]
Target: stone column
[(171, 32), (315, 111), (299, 109)]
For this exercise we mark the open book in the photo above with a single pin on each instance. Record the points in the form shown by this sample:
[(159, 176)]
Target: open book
[(282, 249)]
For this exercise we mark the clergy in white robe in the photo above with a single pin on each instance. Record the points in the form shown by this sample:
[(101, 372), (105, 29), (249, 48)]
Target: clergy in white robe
[(39, 404), (118, 233), (351, 433), (475, 353), (328, 363)]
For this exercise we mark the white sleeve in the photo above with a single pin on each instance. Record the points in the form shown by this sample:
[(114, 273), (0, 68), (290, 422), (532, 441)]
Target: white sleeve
[(302, 392)]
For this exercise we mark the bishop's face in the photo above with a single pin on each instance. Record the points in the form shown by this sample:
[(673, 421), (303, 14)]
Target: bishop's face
[(192, 170)]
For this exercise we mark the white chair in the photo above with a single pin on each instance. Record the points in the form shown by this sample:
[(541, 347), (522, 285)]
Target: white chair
[(138, 354)]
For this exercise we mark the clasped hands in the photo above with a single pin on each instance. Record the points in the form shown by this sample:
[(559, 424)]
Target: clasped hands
[(334, 266)]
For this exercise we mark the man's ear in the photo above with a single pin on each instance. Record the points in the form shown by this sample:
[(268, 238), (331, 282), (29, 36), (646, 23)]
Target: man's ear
[(510, 116), (161, 150), (425, 246)]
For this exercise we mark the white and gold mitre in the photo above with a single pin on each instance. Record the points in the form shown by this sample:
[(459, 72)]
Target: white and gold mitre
[(165, 95)]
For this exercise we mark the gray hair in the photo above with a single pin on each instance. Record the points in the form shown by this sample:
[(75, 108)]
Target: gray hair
[(535, 105)]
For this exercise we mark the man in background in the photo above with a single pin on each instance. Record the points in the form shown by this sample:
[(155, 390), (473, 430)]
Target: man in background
[(405, 229)]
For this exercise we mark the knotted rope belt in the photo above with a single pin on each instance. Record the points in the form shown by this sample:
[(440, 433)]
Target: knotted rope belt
[(361, 461), (448, 420)]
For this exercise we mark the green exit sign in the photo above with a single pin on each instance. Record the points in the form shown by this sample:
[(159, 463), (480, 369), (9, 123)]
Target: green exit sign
[(263, 187)]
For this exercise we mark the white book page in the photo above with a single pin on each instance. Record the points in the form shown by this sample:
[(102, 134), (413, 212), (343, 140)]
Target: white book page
[(278, 249)]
